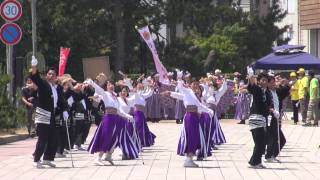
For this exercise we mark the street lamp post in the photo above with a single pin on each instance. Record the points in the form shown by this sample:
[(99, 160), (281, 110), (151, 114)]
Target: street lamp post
[(34, 26)]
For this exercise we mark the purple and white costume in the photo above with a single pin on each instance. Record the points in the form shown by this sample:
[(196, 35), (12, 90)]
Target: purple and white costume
[(137, 100), (192, 138), (111, 132)]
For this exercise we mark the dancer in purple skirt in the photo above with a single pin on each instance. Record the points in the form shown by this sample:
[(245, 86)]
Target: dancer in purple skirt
[(145, 136), (108, 135), (192, 136), (129, 133), (242, 104), (214, 133), (180, 110)]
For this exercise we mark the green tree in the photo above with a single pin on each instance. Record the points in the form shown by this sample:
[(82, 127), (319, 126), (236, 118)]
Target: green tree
[(223, 36)]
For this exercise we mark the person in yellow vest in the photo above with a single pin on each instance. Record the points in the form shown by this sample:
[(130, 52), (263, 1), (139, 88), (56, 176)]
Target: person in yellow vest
[(236, 83), (294, 96), (303, 84), (313, 110)]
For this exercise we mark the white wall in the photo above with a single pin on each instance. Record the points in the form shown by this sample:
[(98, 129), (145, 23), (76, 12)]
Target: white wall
[(291, 19)]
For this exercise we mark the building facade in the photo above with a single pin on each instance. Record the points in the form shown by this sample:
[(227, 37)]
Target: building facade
[(291, 20), (309, 25)]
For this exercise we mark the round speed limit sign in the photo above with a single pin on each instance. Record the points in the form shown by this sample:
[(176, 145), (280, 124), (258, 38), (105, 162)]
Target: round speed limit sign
[(11, 10)]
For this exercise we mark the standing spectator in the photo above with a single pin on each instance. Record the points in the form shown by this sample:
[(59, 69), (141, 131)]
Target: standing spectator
[(303, 84), (313, 111), (29, 98), (294, 96)]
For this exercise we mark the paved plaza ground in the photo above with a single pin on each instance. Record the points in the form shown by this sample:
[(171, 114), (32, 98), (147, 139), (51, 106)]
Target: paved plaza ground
[(300, 159)]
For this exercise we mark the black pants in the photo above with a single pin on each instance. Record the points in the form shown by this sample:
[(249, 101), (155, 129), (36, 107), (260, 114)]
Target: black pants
[(272, 139), (47, 142), (295, 111), (61, 139), (79, 131), (87, 125), (258, 136), (97, 118), (30, 125)]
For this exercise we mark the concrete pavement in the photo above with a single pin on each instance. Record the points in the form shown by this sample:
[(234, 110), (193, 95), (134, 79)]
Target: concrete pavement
[(300, 159)]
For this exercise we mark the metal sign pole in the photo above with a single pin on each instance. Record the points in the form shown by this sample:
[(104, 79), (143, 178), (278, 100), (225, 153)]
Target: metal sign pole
[(9, 71)]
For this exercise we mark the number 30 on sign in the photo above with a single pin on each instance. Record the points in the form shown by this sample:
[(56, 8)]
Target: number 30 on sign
[(11, 10)]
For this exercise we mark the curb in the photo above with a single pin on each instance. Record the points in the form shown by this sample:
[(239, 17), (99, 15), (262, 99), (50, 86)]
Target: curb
[(13, 138)]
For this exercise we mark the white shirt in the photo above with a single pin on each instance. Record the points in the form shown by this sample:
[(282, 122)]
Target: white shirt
[(110, 100), (215, 96), (123, 105), (189, 98), (275, 100), (70, 101), (141, 96), (83, 102), (128, 83), (54, 94)]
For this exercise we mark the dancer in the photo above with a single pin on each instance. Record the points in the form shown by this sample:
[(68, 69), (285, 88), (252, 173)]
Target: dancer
[(154, 105), (212, 99), (258, 114), (129, 133), (180, 110), (192, 136), (50, 98), (275, 136), (107, 136), (145, 136), (242, 104)]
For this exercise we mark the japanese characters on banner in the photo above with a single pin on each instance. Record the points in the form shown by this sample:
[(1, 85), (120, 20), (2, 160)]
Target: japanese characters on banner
[(64, 54), (145, 34)]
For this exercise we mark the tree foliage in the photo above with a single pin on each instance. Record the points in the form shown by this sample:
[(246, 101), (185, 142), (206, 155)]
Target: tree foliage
[(216, 35), (225, 36)]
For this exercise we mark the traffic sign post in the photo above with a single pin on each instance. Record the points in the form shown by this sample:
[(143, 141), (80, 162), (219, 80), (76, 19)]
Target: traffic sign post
[(10, 33)]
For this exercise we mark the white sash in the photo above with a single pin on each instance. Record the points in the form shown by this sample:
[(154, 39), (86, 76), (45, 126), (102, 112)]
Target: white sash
[(42, 116)]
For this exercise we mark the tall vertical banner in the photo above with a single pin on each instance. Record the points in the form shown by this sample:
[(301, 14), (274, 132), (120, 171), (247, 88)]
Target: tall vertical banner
[(145, 34), (64, 54)]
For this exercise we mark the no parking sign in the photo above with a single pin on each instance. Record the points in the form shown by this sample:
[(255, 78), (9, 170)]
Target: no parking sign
[(10, 34)]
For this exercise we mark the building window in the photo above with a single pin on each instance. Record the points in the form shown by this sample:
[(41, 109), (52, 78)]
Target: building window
[(314, 42), (292, 6)]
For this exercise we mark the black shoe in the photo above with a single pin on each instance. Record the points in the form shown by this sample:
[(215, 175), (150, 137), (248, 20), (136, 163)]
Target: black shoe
[(199, 158), (307, 124), (242, 122)]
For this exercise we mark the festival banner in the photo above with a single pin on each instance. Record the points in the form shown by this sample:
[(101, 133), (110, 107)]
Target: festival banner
[(64, 54), (145, 34)]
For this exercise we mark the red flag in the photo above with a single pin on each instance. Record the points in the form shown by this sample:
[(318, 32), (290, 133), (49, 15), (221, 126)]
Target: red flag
[(64, 53)]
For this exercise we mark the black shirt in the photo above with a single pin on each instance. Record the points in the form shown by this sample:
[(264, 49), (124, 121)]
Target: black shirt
[(30, 93), (260, 101)]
